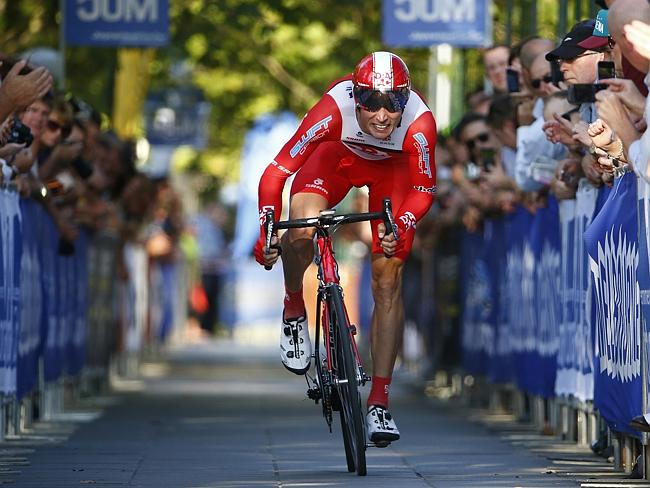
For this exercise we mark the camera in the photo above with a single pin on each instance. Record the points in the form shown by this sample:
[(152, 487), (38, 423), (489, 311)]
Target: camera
[(472, 171), (556, 73), (20, 133), (606, 70), (83, 168), (512, 79), (487, 158), (584, 93)]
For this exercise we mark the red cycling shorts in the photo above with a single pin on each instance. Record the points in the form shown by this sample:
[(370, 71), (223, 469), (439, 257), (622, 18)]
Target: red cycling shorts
[(333, 169)]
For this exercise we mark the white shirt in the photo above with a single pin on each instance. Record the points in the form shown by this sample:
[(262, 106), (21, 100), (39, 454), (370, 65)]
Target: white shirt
[(532, 146)]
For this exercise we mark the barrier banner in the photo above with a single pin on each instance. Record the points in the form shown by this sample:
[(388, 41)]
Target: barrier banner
[(53, 353), (478, 307), (500, 365), (10, 257), (575, 354), (510, 339), (31, 298), (643, 275), (544, 242), (612, 244), (76, 346)]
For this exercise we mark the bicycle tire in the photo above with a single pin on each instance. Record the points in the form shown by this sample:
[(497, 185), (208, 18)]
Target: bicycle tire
[(352, 423)]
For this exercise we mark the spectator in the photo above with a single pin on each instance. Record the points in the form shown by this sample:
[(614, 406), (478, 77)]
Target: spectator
[(495, 61)]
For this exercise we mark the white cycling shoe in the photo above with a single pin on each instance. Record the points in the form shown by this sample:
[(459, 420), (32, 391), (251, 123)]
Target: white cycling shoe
[(381, 426), (295, 346)]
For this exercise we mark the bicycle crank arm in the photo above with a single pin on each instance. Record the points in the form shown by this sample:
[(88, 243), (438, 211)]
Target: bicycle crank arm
[(380, 444)]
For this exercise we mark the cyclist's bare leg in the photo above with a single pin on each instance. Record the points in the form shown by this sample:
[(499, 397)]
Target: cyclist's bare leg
[(297, 245), (388, 313)]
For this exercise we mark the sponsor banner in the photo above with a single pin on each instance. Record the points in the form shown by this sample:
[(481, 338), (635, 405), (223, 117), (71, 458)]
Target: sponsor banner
[(135, 23), (461, 23), (612, 244)]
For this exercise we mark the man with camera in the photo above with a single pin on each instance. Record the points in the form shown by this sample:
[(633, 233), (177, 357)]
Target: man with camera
[(580, 55)]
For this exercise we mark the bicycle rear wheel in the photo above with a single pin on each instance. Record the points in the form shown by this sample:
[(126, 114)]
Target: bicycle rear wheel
[(352, 421)]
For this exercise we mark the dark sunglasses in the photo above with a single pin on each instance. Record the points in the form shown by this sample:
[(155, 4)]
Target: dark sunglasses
[(537, 82), (53, 125), (374, 100), (567, 115), (483, 137)]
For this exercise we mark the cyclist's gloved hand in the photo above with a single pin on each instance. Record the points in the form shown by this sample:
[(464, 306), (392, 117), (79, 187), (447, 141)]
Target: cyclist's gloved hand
[(266, 258), (389, 244)]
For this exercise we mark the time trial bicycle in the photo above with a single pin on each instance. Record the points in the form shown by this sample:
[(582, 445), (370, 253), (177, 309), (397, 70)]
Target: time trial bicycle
[(339, 371)]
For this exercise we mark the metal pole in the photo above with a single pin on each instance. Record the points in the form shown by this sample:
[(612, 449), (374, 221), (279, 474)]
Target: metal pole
[(62, 44), (561, 23), (509, 8), (533, 18), (433, 75), (578, 11)]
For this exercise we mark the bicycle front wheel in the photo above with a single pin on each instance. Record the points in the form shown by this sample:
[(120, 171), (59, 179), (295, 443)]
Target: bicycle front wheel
[(347, 369)]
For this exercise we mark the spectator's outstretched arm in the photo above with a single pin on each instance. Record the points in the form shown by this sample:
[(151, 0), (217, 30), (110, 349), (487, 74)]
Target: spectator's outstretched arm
[(18, 91), (638, 34), (611, 110)]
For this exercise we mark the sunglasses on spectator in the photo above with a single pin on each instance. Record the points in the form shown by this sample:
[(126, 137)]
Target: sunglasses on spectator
[(483, 137), (567, 115), (53, 125), (537, 82)]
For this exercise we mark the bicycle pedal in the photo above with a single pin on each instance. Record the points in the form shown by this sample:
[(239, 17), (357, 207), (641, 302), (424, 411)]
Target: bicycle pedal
[(380, 444)]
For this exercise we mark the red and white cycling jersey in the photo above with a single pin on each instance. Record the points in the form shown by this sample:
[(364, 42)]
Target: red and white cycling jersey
[(333, 118)]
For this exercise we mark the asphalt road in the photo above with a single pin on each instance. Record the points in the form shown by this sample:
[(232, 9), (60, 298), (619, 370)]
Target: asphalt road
[(217, 415)]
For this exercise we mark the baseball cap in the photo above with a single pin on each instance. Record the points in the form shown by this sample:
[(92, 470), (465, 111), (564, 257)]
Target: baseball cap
[(571, 46), (600, 36)]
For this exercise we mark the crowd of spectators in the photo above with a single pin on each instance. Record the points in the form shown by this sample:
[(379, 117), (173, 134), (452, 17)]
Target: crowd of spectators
[(59, 151), (551, 118)]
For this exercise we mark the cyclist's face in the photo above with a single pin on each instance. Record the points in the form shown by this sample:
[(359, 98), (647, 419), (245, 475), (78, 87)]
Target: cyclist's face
[(380, 124)]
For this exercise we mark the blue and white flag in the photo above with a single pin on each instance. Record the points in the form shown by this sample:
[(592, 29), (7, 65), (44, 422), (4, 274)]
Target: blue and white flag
[(612, 244)]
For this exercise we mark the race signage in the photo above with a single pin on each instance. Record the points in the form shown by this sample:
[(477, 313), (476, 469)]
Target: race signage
[(461, 23), (123, 23)]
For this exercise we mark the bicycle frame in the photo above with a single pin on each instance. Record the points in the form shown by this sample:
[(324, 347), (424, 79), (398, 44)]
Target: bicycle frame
[(328, 276), (340, 373)]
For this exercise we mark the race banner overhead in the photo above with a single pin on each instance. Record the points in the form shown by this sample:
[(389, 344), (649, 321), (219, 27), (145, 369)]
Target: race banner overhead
[(460, 23), (121, 23)]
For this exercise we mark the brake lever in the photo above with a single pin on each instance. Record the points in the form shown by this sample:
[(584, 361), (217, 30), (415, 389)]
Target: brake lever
[(270, 230), (389, 220)]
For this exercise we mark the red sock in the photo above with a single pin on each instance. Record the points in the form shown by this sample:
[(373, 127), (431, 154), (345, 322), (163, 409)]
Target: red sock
[(379, 391), (294, 306)]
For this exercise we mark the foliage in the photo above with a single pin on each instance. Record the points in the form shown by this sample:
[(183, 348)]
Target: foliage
[(250, 56)]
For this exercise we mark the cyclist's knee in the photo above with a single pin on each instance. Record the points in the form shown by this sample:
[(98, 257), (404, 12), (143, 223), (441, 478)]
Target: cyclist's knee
[(299, 237), (386, 278)]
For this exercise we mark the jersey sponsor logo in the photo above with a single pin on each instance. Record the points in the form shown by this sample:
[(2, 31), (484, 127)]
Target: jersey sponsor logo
[(366, 152), (316, 131), (318, 182), (408, 219), (422, 145), (263, 210), (424, 189), (281, 168)]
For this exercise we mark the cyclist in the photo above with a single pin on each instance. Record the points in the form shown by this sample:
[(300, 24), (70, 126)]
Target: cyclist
[(368, 129)]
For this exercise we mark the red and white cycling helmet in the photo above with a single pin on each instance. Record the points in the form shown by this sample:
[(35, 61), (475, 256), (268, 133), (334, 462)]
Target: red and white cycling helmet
[(381, 79)]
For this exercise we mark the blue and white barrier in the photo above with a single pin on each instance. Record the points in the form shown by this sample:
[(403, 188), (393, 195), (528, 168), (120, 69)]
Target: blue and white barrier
[(555, 301)]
